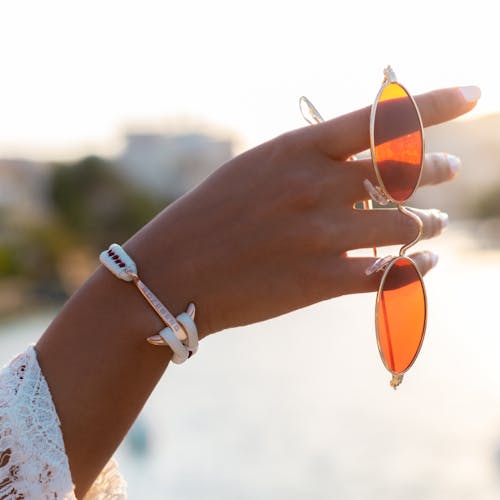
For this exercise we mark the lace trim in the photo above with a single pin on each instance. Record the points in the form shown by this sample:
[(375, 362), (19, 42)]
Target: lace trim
[(33, 462), (109, 485)]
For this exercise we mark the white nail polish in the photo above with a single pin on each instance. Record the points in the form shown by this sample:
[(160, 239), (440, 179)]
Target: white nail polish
[(471, 93), (443, 217), (434, 258), (454, 163)]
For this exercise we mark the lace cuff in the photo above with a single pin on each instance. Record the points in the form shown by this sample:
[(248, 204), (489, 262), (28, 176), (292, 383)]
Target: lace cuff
[(33, 462)]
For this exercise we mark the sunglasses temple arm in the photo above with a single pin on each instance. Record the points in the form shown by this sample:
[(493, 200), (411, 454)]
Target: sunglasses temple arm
[(368, 205), (420, 226)]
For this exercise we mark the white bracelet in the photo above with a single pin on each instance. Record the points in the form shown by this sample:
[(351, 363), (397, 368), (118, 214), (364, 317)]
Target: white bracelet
[(124, 268), (192, 332), (190, 345), (118, 262), (181, 352), (182, 329)]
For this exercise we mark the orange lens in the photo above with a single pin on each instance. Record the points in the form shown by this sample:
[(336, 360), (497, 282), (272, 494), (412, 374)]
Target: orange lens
[(401, 315), (397, 142)]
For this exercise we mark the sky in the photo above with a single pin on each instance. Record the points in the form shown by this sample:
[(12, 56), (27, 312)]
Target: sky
[(77, 74)]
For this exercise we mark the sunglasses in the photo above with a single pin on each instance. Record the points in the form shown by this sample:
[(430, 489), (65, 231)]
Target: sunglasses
[(397, 152)]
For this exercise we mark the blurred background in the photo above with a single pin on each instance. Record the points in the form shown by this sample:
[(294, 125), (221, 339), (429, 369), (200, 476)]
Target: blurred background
[(110, 110)]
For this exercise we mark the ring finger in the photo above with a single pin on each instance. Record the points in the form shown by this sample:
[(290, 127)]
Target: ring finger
[(383, 227)]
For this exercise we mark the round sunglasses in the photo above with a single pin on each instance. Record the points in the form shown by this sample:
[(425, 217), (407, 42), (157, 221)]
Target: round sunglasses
[(397, 152)]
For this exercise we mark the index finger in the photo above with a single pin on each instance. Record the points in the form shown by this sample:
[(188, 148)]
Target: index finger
[(349, 134)]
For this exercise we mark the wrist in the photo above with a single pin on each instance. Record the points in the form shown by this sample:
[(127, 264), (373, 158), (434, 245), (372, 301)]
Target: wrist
[(167, 266)]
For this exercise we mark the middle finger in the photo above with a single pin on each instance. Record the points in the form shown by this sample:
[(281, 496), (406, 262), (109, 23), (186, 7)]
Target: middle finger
[(437, 168)]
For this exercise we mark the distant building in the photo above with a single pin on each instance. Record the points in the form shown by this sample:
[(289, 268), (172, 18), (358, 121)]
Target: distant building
[(23, 190), (170, 165)]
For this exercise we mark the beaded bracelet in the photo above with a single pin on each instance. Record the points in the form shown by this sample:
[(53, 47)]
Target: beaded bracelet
[(181, 334)]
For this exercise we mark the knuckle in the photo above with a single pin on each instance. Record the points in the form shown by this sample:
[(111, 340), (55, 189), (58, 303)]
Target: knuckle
[(279, 152), (322, 236), (317, 237), (301, 179), (303, 190), (288, 144), (344, 232), (434, 105), (308, 198)]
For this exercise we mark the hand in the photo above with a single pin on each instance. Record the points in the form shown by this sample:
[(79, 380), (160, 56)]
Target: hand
[(268, 232), (265, 234)]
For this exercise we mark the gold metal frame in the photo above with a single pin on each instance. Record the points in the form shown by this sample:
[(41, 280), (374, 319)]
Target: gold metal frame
[(390, 78), (312, 116), (397, 377)]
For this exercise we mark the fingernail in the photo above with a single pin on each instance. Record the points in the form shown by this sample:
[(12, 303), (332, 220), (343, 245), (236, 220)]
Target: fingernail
[(443, 217), (471, 93), (433, 259), (454, 163)]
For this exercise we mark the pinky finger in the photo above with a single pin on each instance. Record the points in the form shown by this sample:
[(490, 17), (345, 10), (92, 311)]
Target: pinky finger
[(357, 281)]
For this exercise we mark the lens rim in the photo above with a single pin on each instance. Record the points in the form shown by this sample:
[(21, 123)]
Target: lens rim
[(373, 114), (377, 308)]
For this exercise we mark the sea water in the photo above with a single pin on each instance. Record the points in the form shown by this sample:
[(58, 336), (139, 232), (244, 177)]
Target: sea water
[(300, 406)]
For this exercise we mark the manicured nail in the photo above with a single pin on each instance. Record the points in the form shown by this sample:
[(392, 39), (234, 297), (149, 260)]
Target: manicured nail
[(433, 259), (454, 163), (443, 217), (471, 93)]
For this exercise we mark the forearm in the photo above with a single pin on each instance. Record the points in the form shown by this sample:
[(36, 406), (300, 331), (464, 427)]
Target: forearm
[(95, 358)]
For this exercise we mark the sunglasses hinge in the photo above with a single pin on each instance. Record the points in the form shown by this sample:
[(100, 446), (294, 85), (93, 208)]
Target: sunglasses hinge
[(389, 75)]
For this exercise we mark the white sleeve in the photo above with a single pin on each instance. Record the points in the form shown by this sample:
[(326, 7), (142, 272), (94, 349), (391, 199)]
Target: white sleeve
[(33, 461)]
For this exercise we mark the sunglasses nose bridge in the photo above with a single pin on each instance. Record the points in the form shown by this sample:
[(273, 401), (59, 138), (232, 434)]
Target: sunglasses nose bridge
[(309, 112), (420, 227)]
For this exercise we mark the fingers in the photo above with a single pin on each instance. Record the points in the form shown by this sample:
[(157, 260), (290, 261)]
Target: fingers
[(383, 227), (437, 168), (349, 134), (445, 104), (352, 271)]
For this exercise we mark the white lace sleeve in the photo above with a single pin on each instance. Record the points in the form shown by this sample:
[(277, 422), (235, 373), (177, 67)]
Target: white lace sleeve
[(33, 462)]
